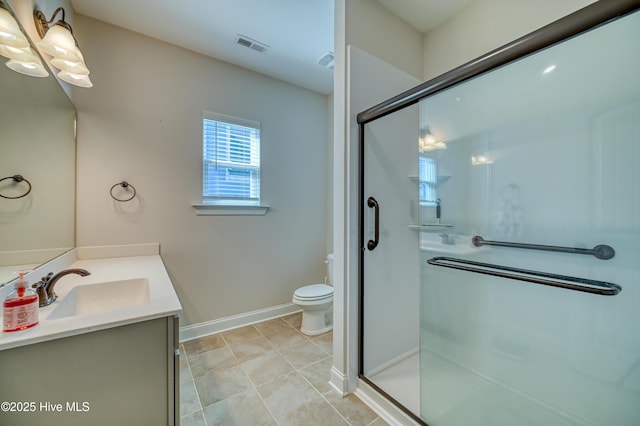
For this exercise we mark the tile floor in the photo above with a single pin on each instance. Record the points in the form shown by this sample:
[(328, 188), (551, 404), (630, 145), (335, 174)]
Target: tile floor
[(264, 374)]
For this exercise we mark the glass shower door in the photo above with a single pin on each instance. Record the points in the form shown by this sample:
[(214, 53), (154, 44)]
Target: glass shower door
[(390, 258), (542, 156)]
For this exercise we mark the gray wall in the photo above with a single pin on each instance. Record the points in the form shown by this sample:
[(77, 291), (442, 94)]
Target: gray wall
[(142, 123), (485, 25)]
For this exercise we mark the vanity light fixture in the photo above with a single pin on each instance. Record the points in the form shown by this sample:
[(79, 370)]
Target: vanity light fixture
[(59, 42), (15, 47), (428, 142), (33, 69), (10, 33)]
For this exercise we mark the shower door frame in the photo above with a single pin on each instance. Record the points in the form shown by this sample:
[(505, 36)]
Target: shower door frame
[(581, 21)]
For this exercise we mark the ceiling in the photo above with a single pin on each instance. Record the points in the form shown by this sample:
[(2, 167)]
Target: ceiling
[(424, 15), (297, 32)]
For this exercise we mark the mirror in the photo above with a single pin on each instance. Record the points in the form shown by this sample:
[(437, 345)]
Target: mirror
[(37, 142)]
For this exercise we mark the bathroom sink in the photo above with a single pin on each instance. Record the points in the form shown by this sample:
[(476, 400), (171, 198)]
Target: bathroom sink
[(102, 297)]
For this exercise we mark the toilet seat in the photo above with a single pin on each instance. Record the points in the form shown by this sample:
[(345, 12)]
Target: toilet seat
[(313, 292), (316, 302)]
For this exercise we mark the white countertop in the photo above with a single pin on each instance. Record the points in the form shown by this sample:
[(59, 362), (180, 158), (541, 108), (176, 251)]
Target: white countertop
[(163, 300)]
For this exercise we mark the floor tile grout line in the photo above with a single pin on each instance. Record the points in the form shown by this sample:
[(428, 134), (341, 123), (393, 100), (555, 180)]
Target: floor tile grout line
[(275, 419), (306, 337), (255, 388), (319, 397), (280, 318), (334, 408), (295, 370), (226, 345), (322, 395), (277, 350), (345, 419), (186, 359)]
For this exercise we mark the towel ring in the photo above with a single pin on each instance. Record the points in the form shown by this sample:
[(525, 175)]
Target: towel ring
[(126, 185), (17, 179)]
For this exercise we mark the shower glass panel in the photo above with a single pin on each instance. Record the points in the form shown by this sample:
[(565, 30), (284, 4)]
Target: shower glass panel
[(544, 151), (390, 297)]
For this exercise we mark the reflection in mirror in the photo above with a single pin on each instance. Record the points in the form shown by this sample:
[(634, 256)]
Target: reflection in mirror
[(37, 143)]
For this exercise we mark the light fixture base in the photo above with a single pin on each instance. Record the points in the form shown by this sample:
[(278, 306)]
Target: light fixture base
[(42, 25), (40, 21)]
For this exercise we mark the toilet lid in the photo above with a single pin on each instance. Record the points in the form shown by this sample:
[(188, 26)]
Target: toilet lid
[(313, 291)]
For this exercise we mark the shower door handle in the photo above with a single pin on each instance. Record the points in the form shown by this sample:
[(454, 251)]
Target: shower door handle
[(373, 203)]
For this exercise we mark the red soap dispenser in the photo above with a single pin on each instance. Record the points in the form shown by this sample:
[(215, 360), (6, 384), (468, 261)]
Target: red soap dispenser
[(20, 307)]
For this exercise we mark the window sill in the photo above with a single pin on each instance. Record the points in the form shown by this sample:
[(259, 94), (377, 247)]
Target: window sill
[(229, 210)]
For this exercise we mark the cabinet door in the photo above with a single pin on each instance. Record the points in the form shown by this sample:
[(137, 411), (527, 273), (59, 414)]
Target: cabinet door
[(107, 377)]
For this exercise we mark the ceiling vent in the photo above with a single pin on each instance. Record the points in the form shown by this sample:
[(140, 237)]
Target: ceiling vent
[(251, 43), (327, 60)]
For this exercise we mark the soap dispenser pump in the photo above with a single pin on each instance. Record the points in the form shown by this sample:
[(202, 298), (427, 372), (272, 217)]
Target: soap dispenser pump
[(20, 308)]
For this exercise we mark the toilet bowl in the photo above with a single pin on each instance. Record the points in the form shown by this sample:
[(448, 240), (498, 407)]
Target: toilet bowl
[(316, 302)]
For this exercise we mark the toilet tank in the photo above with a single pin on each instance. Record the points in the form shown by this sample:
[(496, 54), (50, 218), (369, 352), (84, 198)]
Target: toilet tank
[(329, 263)]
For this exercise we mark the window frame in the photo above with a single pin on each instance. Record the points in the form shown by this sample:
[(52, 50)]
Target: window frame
[(221, 205)]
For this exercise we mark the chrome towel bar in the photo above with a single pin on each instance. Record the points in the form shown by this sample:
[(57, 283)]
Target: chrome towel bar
[(601, 251), (536, 277)]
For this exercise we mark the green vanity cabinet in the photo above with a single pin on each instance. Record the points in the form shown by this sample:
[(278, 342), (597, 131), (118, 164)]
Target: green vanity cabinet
[(126, 375)]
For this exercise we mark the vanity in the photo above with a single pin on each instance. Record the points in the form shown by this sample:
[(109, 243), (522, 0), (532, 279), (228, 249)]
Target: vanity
[(105, 352)]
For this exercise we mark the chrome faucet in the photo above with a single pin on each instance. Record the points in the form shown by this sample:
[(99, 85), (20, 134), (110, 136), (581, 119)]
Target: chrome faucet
[(44, 287)]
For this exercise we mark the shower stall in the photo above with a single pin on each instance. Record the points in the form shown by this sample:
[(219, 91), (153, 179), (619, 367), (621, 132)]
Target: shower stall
[(499, 217)]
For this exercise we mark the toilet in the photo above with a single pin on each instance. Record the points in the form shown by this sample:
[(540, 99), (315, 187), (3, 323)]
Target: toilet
[(316, 302)]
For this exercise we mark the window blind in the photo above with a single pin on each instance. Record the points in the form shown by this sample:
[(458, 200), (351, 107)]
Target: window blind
[(427, 178), (231, 160)]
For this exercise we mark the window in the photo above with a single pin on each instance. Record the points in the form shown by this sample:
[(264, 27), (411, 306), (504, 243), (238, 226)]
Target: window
[(231, 160), (428, 179)]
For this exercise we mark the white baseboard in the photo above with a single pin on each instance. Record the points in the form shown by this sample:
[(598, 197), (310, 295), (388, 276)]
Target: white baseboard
[(203, 329), (338, 381)]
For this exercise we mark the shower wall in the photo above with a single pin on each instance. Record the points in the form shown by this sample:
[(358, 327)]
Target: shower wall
[(573, 183), (516, 167)]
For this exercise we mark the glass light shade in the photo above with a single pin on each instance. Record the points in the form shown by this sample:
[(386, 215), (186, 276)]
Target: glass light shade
[(10, 33), (60, 43), (75, 79), (429, 139), (23, 55), (426, 137), (428, 142), (78, 68), (432, 147), (33, 69)]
